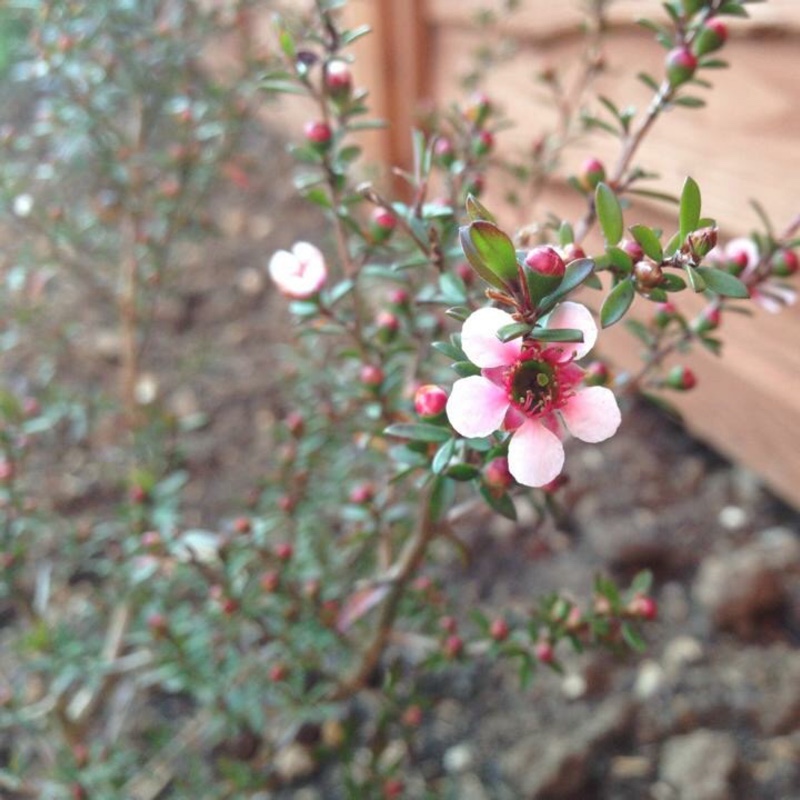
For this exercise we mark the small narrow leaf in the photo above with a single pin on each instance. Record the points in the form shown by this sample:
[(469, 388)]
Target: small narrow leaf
[(443, 456), (556, 335), (696, 282), (575, 274), (689, 213), (477, 211), (418, 432), (648, 241), (617, 303), (723, 283), (513, 331), (609, 213), (502, 504)]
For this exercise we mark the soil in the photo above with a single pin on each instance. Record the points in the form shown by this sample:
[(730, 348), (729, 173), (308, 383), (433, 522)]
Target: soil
[(711, 709)]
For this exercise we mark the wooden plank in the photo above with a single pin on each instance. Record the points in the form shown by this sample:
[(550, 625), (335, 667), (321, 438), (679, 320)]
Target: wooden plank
[(542, 19)]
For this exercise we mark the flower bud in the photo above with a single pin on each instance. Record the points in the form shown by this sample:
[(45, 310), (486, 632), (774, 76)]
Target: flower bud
[(443, 152), (497, 475), (465, 272), (387, 326), (393, 788), (476, 184), (691, 7), (270, 581), (338, 79), (572, 252), (371, 376), (399, 298), (644, 607), (681, 64), (482, 143), (158, 625), (708, 320), (278, 673), (546, 261), (412, 716), (448, 624), (284, 551), (478, 109), (499, 630), (784, 263), (362, 494), (681, 378), (710, 37), (665, 313), (544, 652), (702, 242), (633, 249), (430, 401), (648, 275), (596, 374), (453, 646), (382, 223), (318, 134), (592, 172), (295, 424)]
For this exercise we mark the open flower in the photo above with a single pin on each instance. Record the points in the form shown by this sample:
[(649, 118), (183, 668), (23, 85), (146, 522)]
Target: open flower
[(301, 273), (744, 255), (526, 387)]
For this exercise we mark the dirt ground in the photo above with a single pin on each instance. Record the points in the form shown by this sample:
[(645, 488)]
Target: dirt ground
[(711, 710)]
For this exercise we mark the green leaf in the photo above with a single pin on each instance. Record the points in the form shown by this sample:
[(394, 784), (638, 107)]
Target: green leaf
[(609, 213), (575, 274), (556, 335), (490, 253), (648, 81), (642, 582), (459, 313), (418, 432), (449, 349), (287, 45), (502, 504), (696, 281), (465, 368), (689, 102), (513, 331), (477, 211), (648, 241), (672, 282), (689, 214), (632, 636), (640, 331), (565, 234), (442, 495), (617, 303), (443, 456), (733, 9), (723, 283), (462, 472)]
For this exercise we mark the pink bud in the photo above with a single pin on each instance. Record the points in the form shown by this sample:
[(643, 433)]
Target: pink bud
[(708, 320), (597, 374), (681, 64), (371, 376), (301, 273), (318, 133), (710, 37), (592, 172), (284, 551), (546, 261), (381, 224), (295, 423), (496, 473), (270, 581), (482, 143), (362, 493), (338, 78), (399, 298), (430, 401), (644, 607), (443, 151), (681, 378), (784, 263), (633, 249), (387, 324), (572, 252), (448, 624), (544, 652), (453, 646), (499, 630)]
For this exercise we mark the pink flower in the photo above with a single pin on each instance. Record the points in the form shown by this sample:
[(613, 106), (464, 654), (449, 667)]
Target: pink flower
[(301, 273), (526, 387), (743, 253)]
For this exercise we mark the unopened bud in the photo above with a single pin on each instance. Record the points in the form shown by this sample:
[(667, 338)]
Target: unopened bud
[(482, 143), (681, 378), (338, 79), (544, 652), (318, 134), (633, 249), (387, 326), (665, 313), (710, 37), (708, 320), (381, 224), (592, 172), (371, 376), (644, 607), (546, 261), (784, 263), (443, 151), (648, 275), (499, 630), (702, 242), (362, 493), (430, 401), (453, 646), (596, 374), (497, 475), (681, 64)]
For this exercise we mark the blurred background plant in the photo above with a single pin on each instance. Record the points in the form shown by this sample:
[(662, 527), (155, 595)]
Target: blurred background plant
[(143, 652)]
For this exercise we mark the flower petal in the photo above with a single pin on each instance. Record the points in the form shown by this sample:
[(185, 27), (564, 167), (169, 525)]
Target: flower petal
[(535, 454), (574, 315), (592, 414), (479, 338), (476, 406)]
